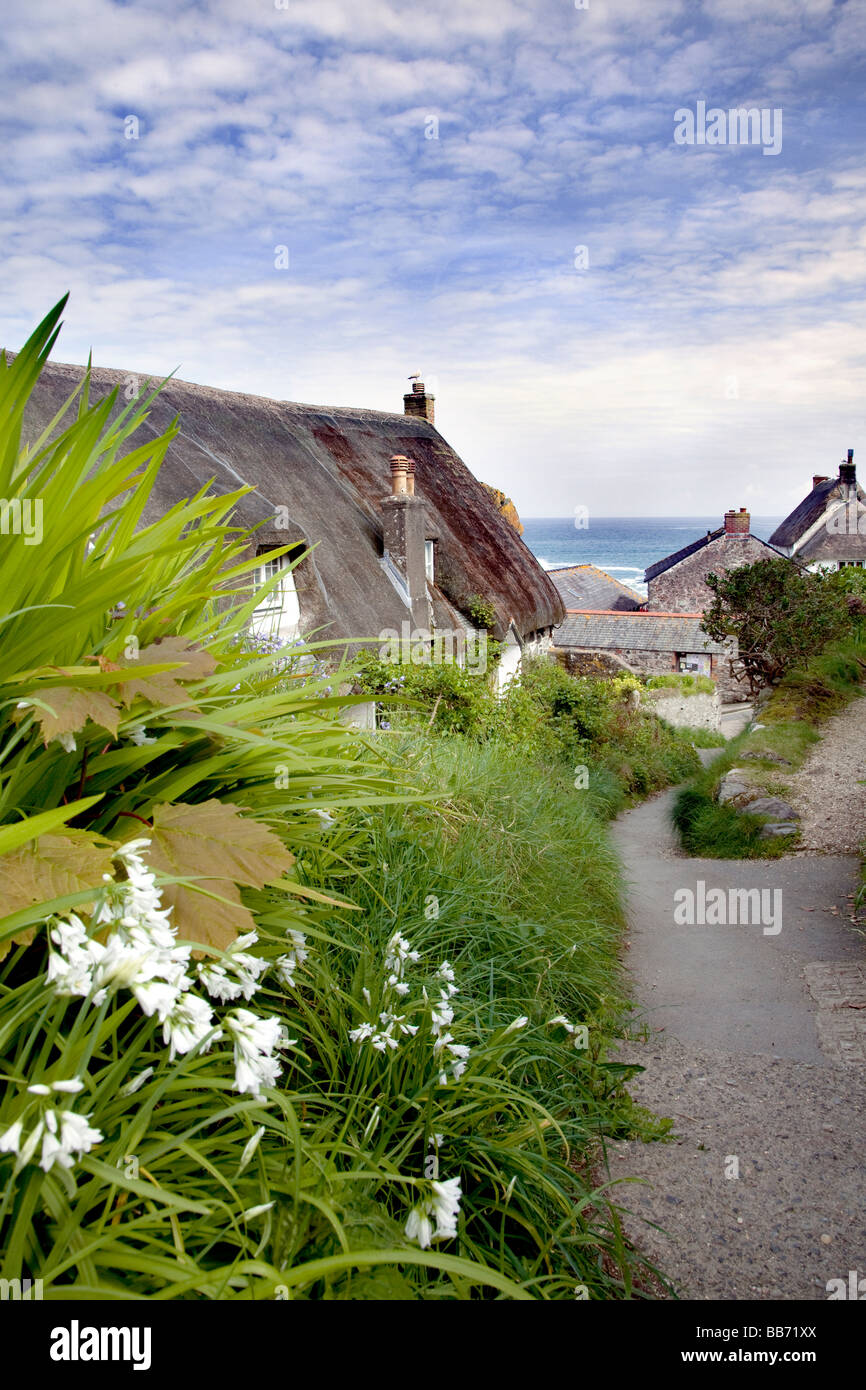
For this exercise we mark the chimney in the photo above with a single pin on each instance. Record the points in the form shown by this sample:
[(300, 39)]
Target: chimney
[(848, 474), (818, 478), (404, 533), (737, 524), (418, 402)]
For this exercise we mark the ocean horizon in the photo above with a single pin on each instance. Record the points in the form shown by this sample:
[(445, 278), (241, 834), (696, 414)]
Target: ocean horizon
[(623, 546)]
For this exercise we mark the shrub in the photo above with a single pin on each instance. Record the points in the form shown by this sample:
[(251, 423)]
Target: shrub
[(779, 614)]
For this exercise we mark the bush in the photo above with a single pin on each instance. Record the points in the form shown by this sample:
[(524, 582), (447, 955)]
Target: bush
[(779, 615), (548, 715)]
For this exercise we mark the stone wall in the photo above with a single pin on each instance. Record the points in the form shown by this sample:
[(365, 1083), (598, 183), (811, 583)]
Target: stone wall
[(685, 711), (682, 589)]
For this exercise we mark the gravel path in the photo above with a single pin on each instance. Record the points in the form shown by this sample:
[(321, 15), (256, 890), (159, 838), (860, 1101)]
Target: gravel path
[(826, 790), (757, 1050)]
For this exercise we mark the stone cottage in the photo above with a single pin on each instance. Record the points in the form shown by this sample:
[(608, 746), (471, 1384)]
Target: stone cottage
[(677, 584), (649, 644), (828, 528), (399, 540)]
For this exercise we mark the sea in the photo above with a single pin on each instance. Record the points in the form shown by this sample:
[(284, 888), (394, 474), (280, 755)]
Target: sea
[(622, 545)]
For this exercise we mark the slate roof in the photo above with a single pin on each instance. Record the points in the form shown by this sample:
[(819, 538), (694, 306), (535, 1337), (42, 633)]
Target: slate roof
[(649, 632), (810, 510), (589, 588), (661, 565), (328, 467)]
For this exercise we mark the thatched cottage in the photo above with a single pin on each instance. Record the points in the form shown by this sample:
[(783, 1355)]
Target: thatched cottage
[(402, 539), (828, 528)]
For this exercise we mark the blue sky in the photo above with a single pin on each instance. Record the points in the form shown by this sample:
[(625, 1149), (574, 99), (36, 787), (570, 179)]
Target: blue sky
[(707, 350)]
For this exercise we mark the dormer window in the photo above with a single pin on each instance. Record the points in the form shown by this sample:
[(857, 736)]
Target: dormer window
[(278, 616)]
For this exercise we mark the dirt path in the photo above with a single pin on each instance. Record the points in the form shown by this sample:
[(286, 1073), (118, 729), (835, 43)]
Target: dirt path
[(758, 1052), (827, 791)]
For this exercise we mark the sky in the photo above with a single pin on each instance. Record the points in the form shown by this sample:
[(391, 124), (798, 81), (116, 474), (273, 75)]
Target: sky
[(312, 199)]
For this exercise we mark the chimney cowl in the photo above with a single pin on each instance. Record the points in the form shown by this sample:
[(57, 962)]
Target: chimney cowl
[(737, 523), (399, 472), (847, 471)]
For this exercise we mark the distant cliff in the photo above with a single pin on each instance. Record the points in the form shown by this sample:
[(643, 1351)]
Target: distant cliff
[(506, 507)]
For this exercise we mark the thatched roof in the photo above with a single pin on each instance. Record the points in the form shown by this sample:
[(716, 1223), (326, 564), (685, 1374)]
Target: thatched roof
[(822, 498), (329, 468)]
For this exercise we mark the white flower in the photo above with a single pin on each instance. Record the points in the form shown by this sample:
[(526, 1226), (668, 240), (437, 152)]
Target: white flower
[(30, 1145), (219, 984), (442, 1015), (156, 997), (70, 1087), (419, 1227), (398, 1020), (250, 1148), (252, 1212), (287, 965), (138, 1082), (137, 733), (446, 1207), (188, 1024), (383, 1040), (66, 741), (65, 1137), (39, 1090), (10, 1139), (362, 1033), (255, 1040), (516, 1025), (399, 954)]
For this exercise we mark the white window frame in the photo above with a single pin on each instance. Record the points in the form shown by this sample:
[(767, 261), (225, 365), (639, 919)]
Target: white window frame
[(278, 614)]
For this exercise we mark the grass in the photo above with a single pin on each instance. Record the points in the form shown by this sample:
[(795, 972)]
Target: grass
[(701, 738), (790, 720), (512, 878), (684, 684)]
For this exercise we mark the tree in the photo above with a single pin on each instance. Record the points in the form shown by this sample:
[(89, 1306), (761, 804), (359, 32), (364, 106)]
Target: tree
[(779, 615)]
